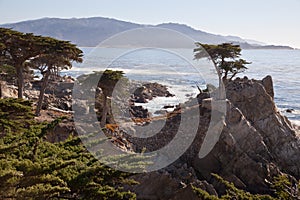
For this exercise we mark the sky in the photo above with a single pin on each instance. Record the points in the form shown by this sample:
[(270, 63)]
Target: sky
[(270, 21)]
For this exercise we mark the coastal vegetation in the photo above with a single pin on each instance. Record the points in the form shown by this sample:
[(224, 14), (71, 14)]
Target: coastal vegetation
[(32, 167), (48, 55)]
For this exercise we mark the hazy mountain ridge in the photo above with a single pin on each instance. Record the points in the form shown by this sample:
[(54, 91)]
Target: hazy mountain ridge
[(91, 31)]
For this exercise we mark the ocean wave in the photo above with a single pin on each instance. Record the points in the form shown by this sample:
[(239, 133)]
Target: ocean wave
[(296, 122)]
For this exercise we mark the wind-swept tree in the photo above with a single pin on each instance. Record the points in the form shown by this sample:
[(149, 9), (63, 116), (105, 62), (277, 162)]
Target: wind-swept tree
[(16, 49), (226, 58), (107, 82), (56, 55)]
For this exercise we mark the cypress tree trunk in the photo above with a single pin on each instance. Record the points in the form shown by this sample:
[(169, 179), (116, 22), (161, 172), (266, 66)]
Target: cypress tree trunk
[(226, 74), (0, 90), (20, 76), (104, 112), (42, 92), (221, 95)]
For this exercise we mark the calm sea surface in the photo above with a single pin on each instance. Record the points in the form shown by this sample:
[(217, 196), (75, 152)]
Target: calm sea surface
[(182, 74)]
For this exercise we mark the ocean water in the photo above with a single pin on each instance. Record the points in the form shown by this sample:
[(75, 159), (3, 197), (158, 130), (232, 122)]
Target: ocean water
[(182, 75)]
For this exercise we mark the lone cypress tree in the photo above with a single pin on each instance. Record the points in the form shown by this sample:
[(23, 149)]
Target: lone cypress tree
[(226, 58)]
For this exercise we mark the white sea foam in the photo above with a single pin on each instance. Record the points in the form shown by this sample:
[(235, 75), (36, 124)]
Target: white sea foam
[(182, 94), (296, 122)]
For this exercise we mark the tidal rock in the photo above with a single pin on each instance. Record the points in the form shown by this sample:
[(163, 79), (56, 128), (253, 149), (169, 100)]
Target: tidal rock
[(289, 110), (168, 106), (160, 112), (139, 112), (150, 90)]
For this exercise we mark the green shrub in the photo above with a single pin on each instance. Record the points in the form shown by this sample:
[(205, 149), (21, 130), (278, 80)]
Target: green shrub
[(202, 194), (32, 168), (283, 187), (231, 192), (8, 73)]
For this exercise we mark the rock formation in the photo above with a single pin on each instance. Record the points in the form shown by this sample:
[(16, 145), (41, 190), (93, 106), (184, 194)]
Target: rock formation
[(257, 143), (149, 91), (8, 90)]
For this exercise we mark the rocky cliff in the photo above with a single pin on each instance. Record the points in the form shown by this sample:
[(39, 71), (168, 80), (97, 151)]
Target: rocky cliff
[(257, 144)]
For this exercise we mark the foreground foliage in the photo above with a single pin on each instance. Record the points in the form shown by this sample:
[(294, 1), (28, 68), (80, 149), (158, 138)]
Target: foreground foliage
[(32, 168), (281, 186), (27, 52)]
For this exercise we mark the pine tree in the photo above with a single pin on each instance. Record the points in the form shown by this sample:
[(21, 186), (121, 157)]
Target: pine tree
[(224, 56), (16, 49)]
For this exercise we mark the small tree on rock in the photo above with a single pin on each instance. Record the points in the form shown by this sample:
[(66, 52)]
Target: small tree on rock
[(226, 58), (107, 83)]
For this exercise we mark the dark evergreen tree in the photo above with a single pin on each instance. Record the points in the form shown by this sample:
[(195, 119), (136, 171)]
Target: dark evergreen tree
[(225, 57), (32, 168), (56, 55), (107, 82), (16, 49)]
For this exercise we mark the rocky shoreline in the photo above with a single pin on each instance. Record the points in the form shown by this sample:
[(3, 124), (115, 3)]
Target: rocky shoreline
[(257, 142)]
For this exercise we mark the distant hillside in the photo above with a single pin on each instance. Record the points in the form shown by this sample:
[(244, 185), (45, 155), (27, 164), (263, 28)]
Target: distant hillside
[(91, 31), (83, 32)]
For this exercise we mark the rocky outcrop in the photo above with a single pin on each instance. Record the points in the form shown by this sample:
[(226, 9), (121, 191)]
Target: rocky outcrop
[(7, 90), (257, 142), (139, 112), (172, 182), (149, 91), (257, 106), (58, 94), (61, 131), (240, 156)]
